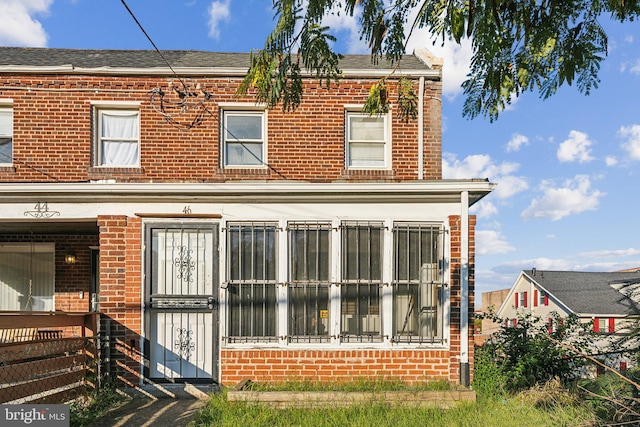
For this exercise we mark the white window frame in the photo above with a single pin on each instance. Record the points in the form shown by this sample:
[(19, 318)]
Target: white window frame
[(356, 112), (231, 110), (6, 105), (117, 108), (236, 282)]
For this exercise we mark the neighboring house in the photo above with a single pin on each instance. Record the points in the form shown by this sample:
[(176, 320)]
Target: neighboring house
[(222, 240), (599, 298)]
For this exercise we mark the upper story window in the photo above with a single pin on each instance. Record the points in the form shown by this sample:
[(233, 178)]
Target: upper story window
[(117, 137), (6, 134), (367, 141), (244, 139)]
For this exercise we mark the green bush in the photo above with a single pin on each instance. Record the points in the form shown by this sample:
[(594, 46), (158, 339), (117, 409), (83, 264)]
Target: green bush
[(528, 354)]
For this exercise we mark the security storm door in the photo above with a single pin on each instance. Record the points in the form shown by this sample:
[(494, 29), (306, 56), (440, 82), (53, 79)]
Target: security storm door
[(182, 302)]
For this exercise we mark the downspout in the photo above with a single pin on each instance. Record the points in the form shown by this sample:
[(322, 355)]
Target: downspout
[(464, 289), (421, 129)]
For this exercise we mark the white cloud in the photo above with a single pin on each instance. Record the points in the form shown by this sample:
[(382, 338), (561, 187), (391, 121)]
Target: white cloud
[(516, 142), (617, 253), (349, 25), (484, 209), (483, 166), (490, 242), (457, 59), (218, 13), (635, 68), (19, 27), (573, 197), (576, 148), (610, 161), (632, 146)]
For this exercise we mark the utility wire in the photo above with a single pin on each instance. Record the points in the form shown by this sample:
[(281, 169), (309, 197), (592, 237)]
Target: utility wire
[(215, 116), (25, 164)]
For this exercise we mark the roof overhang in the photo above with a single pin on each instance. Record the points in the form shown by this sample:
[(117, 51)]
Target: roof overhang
[(438, 191), (199, 71)]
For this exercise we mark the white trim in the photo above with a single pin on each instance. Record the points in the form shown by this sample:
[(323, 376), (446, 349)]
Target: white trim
[(116, 104), (246, 109), (421, 128), (443, 191), (386, 120), (5, 102), (464, 277), (432, 74)]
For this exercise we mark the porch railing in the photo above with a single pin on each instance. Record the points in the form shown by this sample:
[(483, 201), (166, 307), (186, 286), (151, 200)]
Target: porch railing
[(47, 356)]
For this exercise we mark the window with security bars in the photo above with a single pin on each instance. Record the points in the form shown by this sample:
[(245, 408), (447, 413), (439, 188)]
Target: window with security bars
[(308, 288), (361, 282), (251, 286), (417, 284)]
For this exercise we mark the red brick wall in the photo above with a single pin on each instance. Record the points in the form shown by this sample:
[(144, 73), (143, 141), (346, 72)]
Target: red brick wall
[(53, 133), (120, 292), (279, 365), (409, 365)]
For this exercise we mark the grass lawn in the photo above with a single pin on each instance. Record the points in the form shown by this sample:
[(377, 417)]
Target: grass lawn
[(521, 411)]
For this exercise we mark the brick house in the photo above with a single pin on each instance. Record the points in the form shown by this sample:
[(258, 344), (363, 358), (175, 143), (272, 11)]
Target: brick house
[(223, 240)]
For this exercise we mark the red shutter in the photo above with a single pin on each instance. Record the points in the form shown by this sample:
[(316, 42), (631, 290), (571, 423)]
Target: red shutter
[(526, 303), (623, 367), (546, 299), (535, 297), (596, 325), (517, 295), (612, 325), (550, 325), (515, 322)]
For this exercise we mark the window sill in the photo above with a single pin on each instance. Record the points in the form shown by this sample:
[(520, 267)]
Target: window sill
[(103, 170), (241, 171), (368, 173), (7, 169)]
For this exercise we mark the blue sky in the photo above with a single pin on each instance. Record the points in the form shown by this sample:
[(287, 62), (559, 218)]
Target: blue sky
[(566, 168)]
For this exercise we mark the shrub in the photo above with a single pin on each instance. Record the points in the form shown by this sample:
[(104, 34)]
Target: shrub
[(525, 356)]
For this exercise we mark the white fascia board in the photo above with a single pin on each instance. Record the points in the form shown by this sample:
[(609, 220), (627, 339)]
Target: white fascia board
[(509, 296), (200, 71), (250, 191)]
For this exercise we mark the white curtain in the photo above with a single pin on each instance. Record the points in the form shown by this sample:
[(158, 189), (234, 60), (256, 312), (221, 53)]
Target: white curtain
[(119, 135), (26, 276)]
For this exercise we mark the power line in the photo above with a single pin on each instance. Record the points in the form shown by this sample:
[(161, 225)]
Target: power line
[(187, 93)]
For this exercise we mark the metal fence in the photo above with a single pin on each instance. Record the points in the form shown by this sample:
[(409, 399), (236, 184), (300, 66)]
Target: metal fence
[(47, 357)]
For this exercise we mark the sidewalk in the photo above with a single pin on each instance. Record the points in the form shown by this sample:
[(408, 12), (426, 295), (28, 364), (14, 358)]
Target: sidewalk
[(146, 412), (167, 406)]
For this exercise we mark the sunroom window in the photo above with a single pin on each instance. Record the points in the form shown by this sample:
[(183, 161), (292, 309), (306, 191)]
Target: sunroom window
[(308, 287), (361, 281), (417, 285), (251, 286)]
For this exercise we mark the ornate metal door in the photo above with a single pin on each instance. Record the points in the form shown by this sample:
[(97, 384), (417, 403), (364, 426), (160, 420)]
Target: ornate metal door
[(182, 301)]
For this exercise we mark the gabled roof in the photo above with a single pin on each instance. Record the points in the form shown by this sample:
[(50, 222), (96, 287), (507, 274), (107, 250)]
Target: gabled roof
[(48, 60), (587, 293)]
